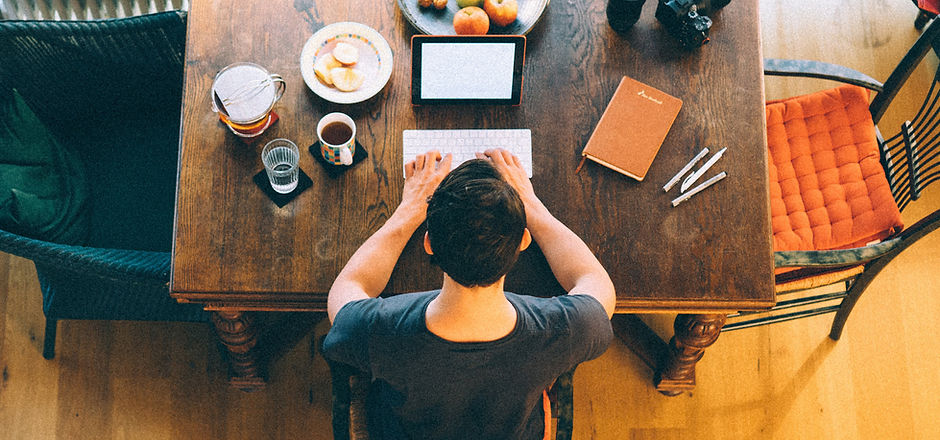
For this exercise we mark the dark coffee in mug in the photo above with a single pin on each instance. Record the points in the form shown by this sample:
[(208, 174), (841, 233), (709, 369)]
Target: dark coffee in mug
[(336, 133)]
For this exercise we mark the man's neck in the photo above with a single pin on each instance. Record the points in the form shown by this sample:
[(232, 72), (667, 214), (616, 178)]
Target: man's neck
[(470, 314)]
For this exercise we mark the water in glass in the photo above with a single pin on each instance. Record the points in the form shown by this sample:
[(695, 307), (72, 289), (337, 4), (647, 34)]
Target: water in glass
[(280, 158)]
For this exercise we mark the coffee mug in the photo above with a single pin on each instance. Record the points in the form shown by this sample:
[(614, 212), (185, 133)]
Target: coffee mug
[(337, 135)]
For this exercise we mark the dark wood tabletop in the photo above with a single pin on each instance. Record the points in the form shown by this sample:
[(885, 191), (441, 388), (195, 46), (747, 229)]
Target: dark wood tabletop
[(235, 250)]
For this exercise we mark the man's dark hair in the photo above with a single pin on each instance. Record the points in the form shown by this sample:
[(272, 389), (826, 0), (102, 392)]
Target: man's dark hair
[(475, 224)]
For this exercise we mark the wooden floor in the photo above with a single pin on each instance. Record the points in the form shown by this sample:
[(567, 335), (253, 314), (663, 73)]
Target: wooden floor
[(789, 381)]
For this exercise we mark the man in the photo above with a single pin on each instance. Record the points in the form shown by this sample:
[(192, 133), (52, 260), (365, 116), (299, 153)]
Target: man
[(469, 360)]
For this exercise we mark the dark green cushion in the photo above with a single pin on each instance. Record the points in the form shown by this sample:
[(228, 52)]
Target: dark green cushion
[(43, 192)]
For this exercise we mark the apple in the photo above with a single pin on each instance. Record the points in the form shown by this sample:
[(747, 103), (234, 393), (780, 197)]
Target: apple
[(464, 3), (323, 65), (471, 21), (501, 12)]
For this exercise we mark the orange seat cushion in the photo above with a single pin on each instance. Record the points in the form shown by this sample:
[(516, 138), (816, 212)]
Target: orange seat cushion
[(827, 187)]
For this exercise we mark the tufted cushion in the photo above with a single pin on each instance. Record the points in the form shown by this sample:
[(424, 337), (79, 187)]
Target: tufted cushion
[(827, 187)]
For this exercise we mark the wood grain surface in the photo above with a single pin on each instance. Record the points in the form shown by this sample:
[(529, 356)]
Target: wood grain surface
[(234, 249)]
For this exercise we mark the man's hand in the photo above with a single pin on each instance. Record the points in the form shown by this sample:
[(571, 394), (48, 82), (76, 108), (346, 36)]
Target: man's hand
[(422, 176), (510, 167)]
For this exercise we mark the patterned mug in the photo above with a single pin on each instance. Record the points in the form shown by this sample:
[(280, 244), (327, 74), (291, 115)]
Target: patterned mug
[(337, 135)]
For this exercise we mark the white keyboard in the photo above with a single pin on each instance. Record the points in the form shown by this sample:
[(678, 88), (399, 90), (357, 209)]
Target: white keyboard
[(463, 144)]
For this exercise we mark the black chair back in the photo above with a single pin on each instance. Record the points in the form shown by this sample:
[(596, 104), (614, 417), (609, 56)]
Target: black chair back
[(911, 156)]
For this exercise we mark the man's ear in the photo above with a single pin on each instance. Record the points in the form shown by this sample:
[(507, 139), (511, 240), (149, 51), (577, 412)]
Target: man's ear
[(526, 240), (427, 244)]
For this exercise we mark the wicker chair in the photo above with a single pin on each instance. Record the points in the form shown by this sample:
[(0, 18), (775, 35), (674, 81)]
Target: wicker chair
[(910, 161), (110, 91), (84, 9)]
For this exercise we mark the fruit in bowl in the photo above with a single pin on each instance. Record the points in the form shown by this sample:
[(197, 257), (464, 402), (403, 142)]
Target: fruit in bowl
[(438, 4), (464, 3), (323, 65), (336, 68), (501, 12), (346, 79), (471, 21)]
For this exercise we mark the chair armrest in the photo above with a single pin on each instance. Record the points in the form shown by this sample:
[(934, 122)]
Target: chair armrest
[(819, 69), (834, 258), (120, 264), (859, 255)]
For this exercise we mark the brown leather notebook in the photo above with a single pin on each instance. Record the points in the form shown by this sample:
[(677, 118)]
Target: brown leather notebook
[(632, 128)]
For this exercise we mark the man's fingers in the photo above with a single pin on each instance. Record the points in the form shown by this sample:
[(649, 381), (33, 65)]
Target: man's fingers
[(409, 169), (446, 163), (516, 161), (430, 160), (495, 154), (501, 156)]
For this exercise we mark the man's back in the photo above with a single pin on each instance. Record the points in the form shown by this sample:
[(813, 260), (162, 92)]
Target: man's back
[(441, 389), (479, 217)]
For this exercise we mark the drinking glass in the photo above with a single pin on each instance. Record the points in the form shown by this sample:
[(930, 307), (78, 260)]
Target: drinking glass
[(281, 159)]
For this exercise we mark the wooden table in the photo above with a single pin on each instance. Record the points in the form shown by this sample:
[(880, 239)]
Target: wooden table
[(236, 252)]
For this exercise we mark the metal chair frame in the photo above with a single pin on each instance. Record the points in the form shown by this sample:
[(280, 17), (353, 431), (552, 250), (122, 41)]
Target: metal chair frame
[(911, 161)]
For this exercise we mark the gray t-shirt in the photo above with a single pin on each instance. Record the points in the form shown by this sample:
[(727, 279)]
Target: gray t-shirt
[(425, 387)]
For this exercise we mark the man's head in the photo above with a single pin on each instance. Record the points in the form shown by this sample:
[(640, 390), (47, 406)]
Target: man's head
[(476, 222)]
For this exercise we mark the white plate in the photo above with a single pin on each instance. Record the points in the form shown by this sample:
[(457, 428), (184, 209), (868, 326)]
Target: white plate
[(375, 60)]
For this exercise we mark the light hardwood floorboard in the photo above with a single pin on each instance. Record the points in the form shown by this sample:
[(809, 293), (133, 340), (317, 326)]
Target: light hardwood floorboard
[(118, 380)]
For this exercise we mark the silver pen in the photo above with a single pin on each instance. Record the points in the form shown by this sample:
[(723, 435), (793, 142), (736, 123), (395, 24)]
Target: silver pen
[(672, 182), (695, 176), (699, 188)]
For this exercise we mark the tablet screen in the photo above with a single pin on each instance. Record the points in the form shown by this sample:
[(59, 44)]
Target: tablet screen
[(467, 69)]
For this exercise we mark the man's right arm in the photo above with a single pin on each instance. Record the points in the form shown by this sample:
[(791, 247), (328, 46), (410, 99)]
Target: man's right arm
[(574, 265)]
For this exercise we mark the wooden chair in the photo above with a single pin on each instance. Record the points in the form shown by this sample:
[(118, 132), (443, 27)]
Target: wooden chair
[(909, 162), (108, 92), (350, 388)]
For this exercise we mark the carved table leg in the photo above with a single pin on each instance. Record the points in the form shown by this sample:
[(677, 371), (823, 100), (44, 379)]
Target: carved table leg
[(694, 333), (237, 333)]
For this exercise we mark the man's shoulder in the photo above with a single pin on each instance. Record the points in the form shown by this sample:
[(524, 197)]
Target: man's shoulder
[(580, 319), (360, 321), (558, 304), (575, 313), (378, 311)]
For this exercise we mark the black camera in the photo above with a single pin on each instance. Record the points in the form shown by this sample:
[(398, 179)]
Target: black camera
[(685, 19)]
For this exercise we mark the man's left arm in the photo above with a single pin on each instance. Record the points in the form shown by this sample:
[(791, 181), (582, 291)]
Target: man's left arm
[(370, 267)]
